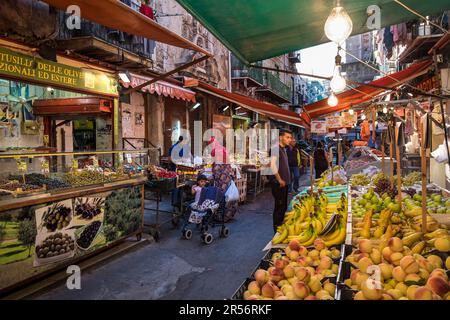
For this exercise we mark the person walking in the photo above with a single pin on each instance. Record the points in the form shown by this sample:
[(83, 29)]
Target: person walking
[(280, 179), (293, 154), (321, 161)]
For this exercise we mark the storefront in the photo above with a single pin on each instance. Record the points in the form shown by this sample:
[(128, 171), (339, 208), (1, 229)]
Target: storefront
[(66, 191)]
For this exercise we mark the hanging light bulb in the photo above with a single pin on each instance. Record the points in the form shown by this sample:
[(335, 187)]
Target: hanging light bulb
[(339, 25), (338, 82), (363, 117), (385, 110), (333, 100), (351, 112)]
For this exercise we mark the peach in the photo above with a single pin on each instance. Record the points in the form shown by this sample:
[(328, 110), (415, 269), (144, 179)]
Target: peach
[(364, 263), (358, 277), (268, 290), (276, 275), (442, 244), (281, 298), (254, 297), (365, 246), (411, 292), (386, 253), (276, 255), (409, 264), (425, 264), (395, 293), (386, 296), (360, 256), (325, 253), (396, 257), (423, 293), (335, 269), (311, 270), (330, 287), (398, 274), (282, 283), (287, 288), (292, 281), (301, 290), (447, 263), (319, 244), (314, 284), (291, 296), (423, 274), (289, 271), (287, 251), (322, 294), (311, 262), (302, 261), (413, 278), (336, 253), (254, 288), (406, 251), (303, 274), (435, 261), (395, 244), (280, 264), (371, 289), (439, 273), (303, 251), (386, 270), (314, 254), (247, 294), (402, 288), (359, 296), (261, 276), (311, 298), (293, 255), (325, 263), (438, 285), (294, 245), (375, 256)]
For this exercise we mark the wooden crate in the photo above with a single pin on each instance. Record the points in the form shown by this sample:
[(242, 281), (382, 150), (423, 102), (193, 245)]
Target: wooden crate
[(241, 184)]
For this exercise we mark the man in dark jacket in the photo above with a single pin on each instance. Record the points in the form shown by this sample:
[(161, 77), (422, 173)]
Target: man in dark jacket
[(281, 179), (293, 154)]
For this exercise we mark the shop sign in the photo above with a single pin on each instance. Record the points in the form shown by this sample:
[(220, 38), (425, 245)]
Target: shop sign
[(348, 120), (24, 67), (334, 122), (319, 127)]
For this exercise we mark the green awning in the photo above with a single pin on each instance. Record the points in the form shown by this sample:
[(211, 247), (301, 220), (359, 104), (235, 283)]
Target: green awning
[(260, 29)]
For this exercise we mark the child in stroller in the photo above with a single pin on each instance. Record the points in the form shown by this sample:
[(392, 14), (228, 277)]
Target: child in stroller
[(201, 213)]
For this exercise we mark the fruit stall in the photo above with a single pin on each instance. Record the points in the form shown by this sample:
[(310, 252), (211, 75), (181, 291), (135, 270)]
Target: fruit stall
[(53, 215), (358, 241)]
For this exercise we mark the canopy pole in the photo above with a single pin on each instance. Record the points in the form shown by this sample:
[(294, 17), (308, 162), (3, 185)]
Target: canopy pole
[(423, 159), (399, 170), (167, 74), (382, 157), (311, 166)]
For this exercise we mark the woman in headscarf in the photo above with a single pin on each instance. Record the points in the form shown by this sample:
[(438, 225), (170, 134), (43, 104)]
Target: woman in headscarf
[(223, 174), (321, 162)]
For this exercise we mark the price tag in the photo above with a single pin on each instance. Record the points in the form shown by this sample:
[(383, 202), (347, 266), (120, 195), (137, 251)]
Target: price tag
[(45, 166), (129, 159), (74, 164), (22, 166), (95, 162)]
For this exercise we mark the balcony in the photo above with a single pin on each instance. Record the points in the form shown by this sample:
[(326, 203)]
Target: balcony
[(239, 71), (277, 89), (106, 45)]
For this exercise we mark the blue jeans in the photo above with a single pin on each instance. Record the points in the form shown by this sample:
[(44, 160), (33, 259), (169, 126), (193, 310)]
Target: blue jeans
[(295, 176)]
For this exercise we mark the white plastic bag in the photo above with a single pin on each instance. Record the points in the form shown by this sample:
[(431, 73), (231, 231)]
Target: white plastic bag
[(232, 193), (440, 154)]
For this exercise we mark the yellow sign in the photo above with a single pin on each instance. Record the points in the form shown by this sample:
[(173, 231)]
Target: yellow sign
[(21, 66)]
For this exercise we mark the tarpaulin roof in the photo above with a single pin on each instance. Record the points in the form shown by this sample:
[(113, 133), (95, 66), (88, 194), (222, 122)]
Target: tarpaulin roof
[(365, 92), (260, 29), (117, 15), (264, 108)]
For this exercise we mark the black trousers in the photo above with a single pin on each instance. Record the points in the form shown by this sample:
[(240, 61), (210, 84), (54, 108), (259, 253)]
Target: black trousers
[(281, 204)]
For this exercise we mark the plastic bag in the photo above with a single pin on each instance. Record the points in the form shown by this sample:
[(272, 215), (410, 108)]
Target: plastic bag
[(232, 193), (440, 154)]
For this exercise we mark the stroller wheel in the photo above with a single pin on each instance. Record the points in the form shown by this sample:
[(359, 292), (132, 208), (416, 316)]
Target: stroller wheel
[(208, 238), (224, 232), (187, 234)]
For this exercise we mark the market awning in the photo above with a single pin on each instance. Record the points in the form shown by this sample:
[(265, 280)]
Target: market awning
[(256, 29), (161, 88), (366, 92), (117, 15), (264, 108)]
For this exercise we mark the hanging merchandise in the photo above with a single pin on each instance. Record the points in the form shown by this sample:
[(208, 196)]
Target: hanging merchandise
[(440, 154), (388, 40), (401, 134), (365, 130), (427, 129)]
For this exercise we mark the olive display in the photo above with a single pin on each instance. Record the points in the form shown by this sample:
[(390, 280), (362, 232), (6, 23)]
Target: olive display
[(13, 186), (55, 245), (83, 178), (39, 179), (88, 235), (56, 217)]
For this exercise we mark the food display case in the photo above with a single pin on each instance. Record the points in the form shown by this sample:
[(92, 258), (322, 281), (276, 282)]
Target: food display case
[(57, 209)]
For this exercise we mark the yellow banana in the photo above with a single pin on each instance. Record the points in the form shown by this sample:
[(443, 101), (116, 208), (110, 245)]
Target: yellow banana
[(340, 238), (418, 248), (280, 238)]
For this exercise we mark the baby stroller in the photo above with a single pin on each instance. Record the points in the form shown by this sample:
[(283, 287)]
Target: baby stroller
[(208, 212)]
